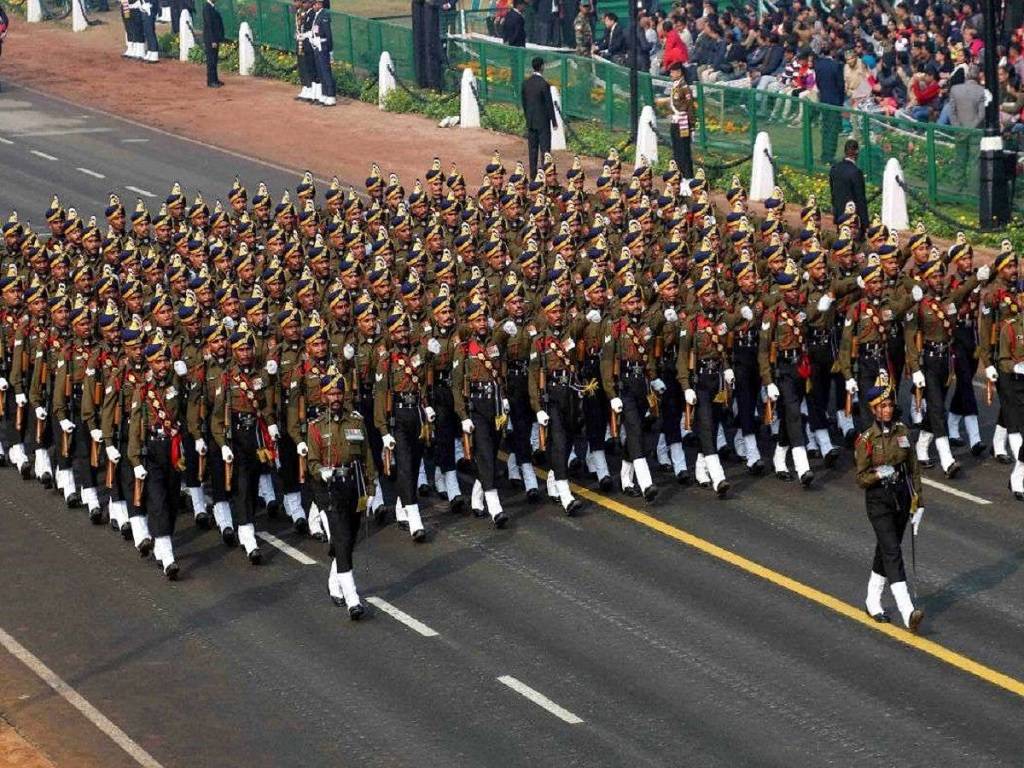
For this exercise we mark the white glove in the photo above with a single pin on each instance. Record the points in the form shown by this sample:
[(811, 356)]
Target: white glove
[(140, 472), (984, 273), (1018, 368), (918, 378), (201, 447), (510, 328), (348, 351), (916, 519), (467, 426), (916, 293), (96, 435), (616, 404), (773, 392), (275, 431), (691, 397), (226, 454), (434, 347), (746, 312), (326, 473), (41, 413), (505, 407), (991, 373), (824, 302), (860, 282), (272, 367), (851, 386), (3, 384), (885, 471), (180, 368), (671, 315), (430, 414), (543, 418), (729, 376), (389, 442), (113, 455), (20, 400), (302, 449), (594, 316)]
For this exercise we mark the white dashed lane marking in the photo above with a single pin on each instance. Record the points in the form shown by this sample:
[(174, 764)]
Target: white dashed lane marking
[(288, 549), (95, 175), (142, 192), (540, 700), (401, 616), (43, 155)]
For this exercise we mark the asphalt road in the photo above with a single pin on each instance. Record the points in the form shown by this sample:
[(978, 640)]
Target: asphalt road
[(656, 650)]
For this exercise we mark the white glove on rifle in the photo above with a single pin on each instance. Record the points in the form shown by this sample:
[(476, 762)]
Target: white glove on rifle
[(885, 471), (691, 397), (851, 386), (348, 351), (916, 519), (275, 431), (729, 376), (505, 406), (201, 447), (594, 315), (510, 328), (434, 347), (302, 449), (658, 386), (20, 400), (180, 368), (430, 414), (113, 455), (984, 273), (824, 302), (991, 373), (918, 378), (226, 454), (140, 472), (671, 315), (746, 312), (41, 413), (542, 418), (96, 435), (616, 404), (326, 473), (1018, 368), (272, 367), (467, 426), (773, 392), (389, 442), (3, 384)]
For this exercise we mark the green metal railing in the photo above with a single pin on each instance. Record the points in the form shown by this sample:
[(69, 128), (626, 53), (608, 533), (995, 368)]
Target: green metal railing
[(940, 163)]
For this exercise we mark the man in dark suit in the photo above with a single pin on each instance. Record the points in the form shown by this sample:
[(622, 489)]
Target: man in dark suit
[(846, 180), (513, 28), (540, 113), (613, 44), (213, 36), (828, 74)]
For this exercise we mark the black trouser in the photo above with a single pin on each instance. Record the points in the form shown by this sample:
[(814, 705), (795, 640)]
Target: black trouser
[(80, 454), (563, 412), (364, 404), (822, 356), (747, 388), (62, 461), (446, 427), (405, 466), (324, 73), (868, 367), (483, 408), (682, 152), (215, 471), (339, 501), (897, 359), (964, 402), (163, 485), (595, 407), (40, 431), (791, 393), (149, 29), (633, 391), (288, 457), (212, 53), (246, 469), (707, 385), (9, 434), (1011, 401), (134, 26), (671, 402), (888, 509), (305, 65), (520, 415), (936, 368), (191, 474), (539, 141)]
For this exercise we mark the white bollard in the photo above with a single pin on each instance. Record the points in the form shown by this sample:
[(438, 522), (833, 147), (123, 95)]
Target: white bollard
[(894, 197), (78, 21), (246, 50), (165, 15), (385, 80), (469, 110), (762, 174), (646, 137), (34, 12), (558, 135), (186, 37)]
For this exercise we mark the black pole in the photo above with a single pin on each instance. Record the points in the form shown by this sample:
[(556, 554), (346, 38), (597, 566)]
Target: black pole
[(994, 194), (991, 67), (634, 87)]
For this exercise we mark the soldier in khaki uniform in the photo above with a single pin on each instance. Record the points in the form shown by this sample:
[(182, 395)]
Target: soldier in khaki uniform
[(888, 471), (342, 478), (1008, 359), (582, 30)]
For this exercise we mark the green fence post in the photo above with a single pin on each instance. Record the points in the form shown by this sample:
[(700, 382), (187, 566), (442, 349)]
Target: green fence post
[(609, 98), (351, 42), (805, 127), (701, 116), (752, 114), (865, 158), (933, 177)]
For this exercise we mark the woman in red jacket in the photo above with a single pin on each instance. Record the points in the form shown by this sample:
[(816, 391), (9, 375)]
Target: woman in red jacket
[(675, 48)]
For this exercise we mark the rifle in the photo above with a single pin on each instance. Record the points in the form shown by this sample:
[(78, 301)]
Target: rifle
[(988, 392), (44, 377), (542, 386), (137, 495), (227, 432), (305, 428), (769, 415)]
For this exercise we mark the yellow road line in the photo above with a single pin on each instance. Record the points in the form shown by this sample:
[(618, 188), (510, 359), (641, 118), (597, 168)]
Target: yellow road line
[(854, 613)]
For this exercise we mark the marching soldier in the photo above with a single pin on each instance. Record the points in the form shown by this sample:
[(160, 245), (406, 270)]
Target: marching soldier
[(443, 347), (888, 472)]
